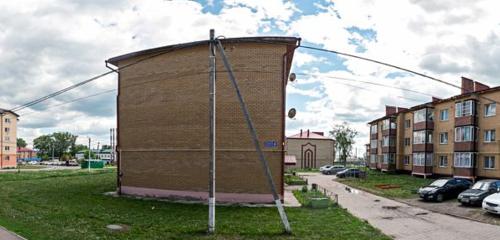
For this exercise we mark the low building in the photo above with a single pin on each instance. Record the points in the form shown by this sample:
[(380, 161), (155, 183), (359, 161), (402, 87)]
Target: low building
[(8, 138), (27, 155), (163, 119), (455, 136), (310, 149)]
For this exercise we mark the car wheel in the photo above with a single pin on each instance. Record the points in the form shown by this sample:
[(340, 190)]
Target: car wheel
[(328, 173), (439, 197)]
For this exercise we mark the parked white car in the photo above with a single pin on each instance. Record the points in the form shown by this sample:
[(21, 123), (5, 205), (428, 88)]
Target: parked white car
[(492, 203), (326, 167)]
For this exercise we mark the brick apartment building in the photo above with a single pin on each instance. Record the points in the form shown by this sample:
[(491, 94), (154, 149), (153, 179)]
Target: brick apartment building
[(310, 149), (450, 137), (8, 138), (163, 119)]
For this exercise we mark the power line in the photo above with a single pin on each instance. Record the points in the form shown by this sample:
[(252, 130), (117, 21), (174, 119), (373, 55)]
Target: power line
[(361, 81), (74, 100), (54, 94)]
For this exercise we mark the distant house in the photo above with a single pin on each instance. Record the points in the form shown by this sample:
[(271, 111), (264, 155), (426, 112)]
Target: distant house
[(309, 150), (103, 154), (8, 138), (27, 155), (163, 119)]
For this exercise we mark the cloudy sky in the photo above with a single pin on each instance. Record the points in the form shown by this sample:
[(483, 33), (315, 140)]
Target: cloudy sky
[(48, 45)]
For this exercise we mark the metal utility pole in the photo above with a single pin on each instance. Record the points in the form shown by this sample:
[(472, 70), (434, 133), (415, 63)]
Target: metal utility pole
[(211, 169), (52, 145), (253, 133), (97, 152), (90, 151)]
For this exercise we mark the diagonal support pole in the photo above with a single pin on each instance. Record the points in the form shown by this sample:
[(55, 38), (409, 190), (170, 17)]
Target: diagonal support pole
[(253, 133)]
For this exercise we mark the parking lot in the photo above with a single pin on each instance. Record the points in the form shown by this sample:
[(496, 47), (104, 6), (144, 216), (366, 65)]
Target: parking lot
[(454, 208)]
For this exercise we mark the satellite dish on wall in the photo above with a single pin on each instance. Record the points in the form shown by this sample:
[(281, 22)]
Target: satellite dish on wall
[(292, 77), (291, 113)]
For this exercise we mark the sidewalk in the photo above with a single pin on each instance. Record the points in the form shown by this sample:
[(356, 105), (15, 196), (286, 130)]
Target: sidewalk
[(6, 235), (402, 221)]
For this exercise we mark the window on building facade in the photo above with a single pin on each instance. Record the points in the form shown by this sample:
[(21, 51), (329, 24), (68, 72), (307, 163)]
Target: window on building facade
[(7, 120), (422, 159), (443, 138), (443, 115), (490, 110), (407, 141), (421, 137), (7, 148), (373, 158), (489, 162), (419, 116), (373, 129), (406, 160), (7, 158), (7, 138), (385, 124), (7, 129), (373, 143), (407, 123), (464, 134), (389, 158), (465, 108), (388, 141), (463, 159), (443, 161), (489, 135)]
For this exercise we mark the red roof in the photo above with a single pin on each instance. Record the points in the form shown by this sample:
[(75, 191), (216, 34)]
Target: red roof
[(21, 149), (310, 135)]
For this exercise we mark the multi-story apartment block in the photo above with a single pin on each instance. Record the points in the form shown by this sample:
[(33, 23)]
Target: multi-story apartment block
[(453, 136), (8, 138)]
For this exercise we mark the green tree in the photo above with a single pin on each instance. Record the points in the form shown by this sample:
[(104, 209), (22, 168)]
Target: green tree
[(104, 146), (77, 148), (21, 142), (59, 142), (344, 139), (92, 154)]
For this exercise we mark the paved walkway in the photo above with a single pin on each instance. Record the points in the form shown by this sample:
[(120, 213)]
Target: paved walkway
[(6, 235), (402, 221)]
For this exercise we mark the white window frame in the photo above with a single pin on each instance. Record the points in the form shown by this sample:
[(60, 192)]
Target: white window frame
[(419, 159), (463, 159), (386, 123), (465, 108), (441, 134), (490, 160), (441, 115), (388, 158), (461, 134), (407, 123), (490, 110), (406, 160), (373, 143), (422, 137), (443, 158), (373, 158), (373, 127), (489, 135)]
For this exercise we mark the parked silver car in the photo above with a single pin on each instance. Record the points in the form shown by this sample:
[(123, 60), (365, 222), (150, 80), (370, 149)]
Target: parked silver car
[(332, 169)]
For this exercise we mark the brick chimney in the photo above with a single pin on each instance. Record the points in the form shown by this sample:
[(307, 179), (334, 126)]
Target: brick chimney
[(434, 99), (301, 132), (479, 86), (390, 110), (307, 132), (467, 85), (399, 109)]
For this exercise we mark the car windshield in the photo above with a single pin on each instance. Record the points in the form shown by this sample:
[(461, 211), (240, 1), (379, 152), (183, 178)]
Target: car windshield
[(481, 186), (439, 183)]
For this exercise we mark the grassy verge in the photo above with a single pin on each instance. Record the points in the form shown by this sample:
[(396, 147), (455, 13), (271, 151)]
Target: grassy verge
[(25, 166), (387, 184), (71, 205), (305, 196), (294, 180)]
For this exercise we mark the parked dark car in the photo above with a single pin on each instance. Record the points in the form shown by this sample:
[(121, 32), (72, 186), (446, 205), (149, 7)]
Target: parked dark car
[(351, 172), (444, 188), (480, 190)]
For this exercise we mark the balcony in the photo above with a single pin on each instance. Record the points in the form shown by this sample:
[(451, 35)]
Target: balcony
[(464, 147), (422, 170), (389, 149), (373, 150), (389, 132), (426, 125), (388, 167), (463, 172), (465, 120), (425, 147), (373, 136)]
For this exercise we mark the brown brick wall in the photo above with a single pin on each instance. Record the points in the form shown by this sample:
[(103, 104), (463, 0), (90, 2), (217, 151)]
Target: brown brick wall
[(163, 120)]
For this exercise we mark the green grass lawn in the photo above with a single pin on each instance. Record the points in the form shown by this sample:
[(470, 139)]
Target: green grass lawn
[(71, 205), (26, 166), (407, 184)]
